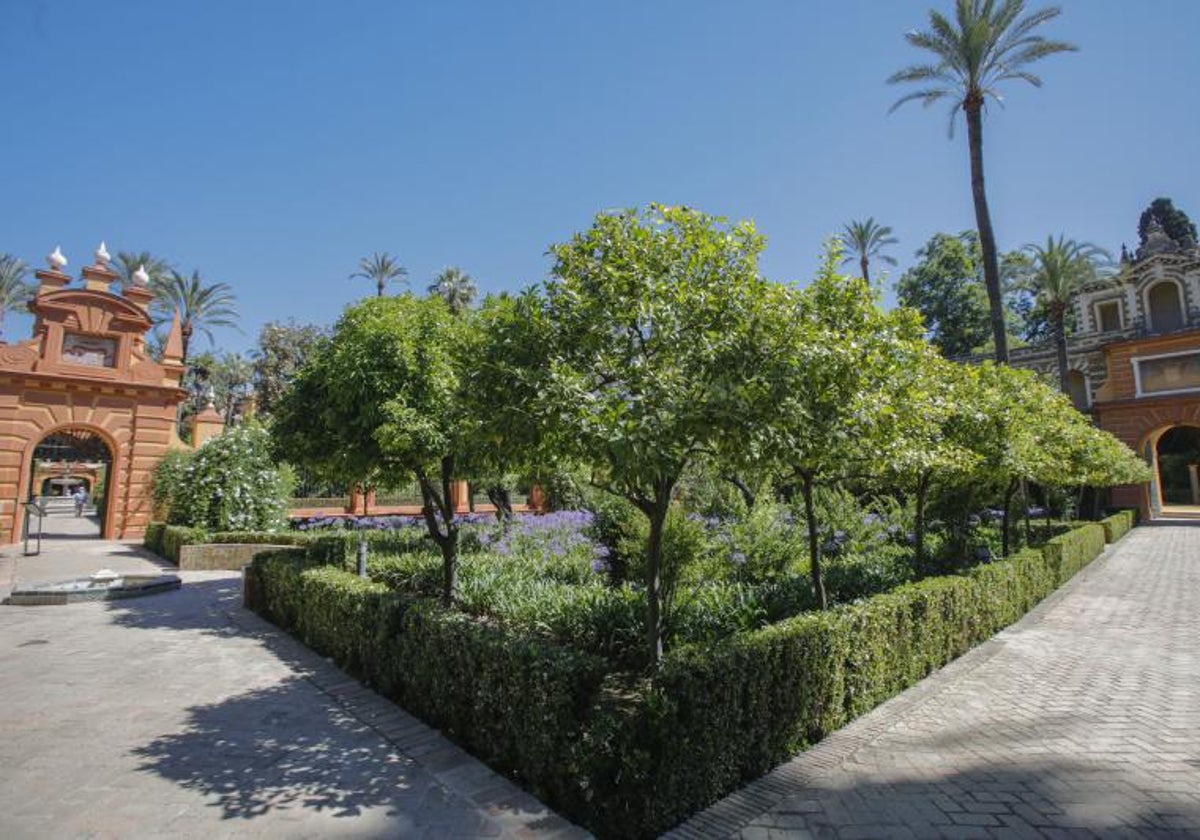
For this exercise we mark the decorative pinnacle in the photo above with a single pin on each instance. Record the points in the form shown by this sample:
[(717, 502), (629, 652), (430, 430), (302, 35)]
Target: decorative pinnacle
[(102, 255), (56, 260), (140, 277)]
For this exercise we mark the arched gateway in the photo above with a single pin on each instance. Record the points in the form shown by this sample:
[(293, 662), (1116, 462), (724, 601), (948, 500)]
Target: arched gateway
[(85, 383)]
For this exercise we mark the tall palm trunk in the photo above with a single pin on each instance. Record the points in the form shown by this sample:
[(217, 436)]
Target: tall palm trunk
[(379, 288), (1058, 319), (864, 263), (185, 333), (973, 106)]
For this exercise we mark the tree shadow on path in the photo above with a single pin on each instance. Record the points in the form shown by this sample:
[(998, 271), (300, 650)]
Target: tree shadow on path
[(289, 748)]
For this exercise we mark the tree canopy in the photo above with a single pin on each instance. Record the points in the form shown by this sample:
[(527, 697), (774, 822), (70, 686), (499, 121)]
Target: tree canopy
[(946, 286), (1174, 222), (651, 326)]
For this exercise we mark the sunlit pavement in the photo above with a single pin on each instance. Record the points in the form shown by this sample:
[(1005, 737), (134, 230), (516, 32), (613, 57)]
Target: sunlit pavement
[(184, 715)]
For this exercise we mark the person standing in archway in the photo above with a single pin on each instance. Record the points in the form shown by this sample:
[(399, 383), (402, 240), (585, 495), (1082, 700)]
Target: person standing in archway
[(80, 496)]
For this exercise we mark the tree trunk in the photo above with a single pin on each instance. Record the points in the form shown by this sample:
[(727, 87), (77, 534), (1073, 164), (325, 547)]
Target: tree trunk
[(656, 511), (445, 535), (379, 287), (747, 493), (1058, 318), (185, 332), (973, 107), (1004, 530), (814, 542), (501, 499), (865, 264), (1025, 502), (919, 523)]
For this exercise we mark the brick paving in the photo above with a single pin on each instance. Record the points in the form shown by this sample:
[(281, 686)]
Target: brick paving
[(1082, 720), (185, 715)]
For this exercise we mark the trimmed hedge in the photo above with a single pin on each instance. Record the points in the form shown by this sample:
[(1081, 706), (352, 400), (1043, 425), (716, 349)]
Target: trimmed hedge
[(518, 703), (153, 538), (628, 756), (166, 540), (1118, 525), (1067, 553)]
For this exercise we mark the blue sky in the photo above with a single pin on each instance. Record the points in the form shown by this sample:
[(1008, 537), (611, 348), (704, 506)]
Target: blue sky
[(272, 143)]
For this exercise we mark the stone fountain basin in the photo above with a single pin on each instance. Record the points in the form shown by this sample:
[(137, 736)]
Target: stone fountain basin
[(52, 593)]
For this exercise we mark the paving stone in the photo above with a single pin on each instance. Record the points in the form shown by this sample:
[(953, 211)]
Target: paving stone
[(183, 715)]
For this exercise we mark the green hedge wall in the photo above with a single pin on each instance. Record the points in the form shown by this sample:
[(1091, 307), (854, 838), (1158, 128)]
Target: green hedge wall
[(166, 540), (1118, 525), (1067, 553), (517, 703), (628, 756), (153, 538)]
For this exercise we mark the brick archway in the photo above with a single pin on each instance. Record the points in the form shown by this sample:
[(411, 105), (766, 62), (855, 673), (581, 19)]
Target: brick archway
[(87, 368), (30, 475), (1139, 425)]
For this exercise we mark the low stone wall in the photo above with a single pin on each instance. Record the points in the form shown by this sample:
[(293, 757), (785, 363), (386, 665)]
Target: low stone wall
[(232, 557)]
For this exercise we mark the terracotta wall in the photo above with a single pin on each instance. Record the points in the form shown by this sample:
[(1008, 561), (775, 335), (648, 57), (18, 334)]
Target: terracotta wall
[(136, 425)]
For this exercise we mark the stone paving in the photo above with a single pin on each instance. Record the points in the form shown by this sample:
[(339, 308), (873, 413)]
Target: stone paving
[(1082, 720), (185, 715)]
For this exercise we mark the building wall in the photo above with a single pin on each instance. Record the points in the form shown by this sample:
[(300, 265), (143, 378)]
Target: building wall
[(126, 398)]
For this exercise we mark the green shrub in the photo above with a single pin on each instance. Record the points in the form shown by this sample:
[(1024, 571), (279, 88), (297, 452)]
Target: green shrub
[(153, 538), (1067, 553), (230, 483), (628, 756), (175, 537), (1118, 525), (166, 485), (516, 702)]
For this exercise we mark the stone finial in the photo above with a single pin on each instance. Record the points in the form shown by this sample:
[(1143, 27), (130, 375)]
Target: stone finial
[(103, 258), (56, 260), (140, 277)]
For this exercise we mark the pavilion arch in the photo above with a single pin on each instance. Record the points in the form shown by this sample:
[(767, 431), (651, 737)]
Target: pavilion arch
[(31, 476), (1164, 304), (1169, 490)]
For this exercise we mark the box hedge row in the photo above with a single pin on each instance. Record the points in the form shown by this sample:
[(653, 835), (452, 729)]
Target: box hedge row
[(336, 548), (630, 756)]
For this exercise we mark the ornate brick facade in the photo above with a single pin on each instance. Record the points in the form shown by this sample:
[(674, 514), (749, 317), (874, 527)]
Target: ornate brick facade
[(1135, 359), (87, 369)]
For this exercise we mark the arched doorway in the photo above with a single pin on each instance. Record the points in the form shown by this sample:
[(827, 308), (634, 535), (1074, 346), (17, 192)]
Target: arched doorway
[(1165, 306), (63, 463), (1176, 460), (1077, 390)]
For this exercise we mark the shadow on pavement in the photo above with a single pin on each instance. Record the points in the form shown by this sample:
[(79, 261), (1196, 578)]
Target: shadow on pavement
[(284, 748), (198, 605), (1048, 799)]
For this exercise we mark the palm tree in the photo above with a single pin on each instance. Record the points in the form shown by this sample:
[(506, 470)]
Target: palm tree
[(989, 42), (866, 241), (14, 290), (382, 268), (128, 262), (1060, 269), (455, 287), (201, 307)]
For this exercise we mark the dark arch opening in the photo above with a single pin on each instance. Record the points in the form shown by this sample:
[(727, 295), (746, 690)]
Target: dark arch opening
[(1077, 389), (63, 462), (1177, 449), (1166, 312)]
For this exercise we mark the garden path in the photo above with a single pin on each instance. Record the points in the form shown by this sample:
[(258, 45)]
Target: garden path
[(1081, 720), (185, 715)]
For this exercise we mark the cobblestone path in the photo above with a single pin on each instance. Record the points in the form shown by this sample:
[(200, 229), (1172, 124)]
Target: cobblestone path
[(1082, 720), (185, 715)]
